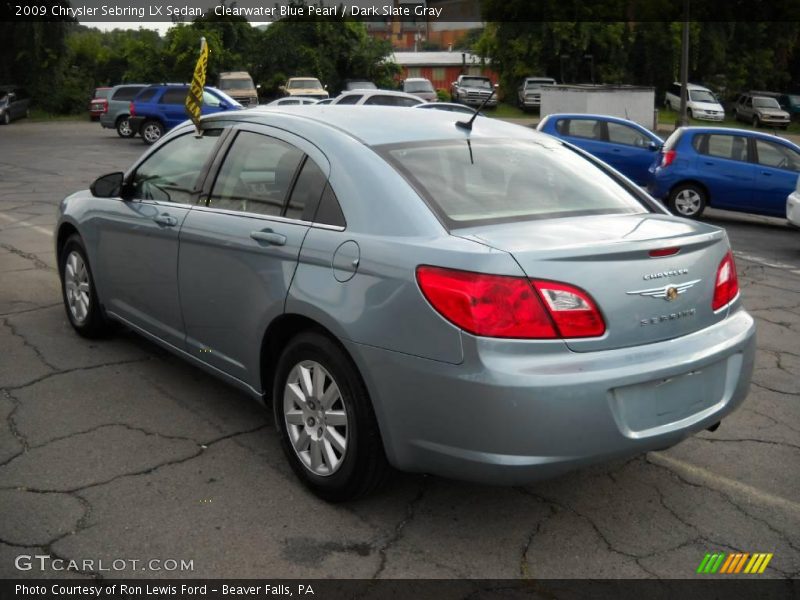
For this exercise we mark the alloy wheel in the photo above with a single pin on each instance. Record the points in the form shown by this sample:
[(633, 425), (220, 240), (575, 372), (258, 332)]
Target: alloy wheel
[(316, 418), (688, 202), (151, 133), (76, 285)]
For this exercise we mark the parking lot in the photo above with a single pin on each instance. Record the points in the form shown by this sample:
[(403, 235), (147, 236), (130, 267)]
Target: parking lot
[(115, 449)]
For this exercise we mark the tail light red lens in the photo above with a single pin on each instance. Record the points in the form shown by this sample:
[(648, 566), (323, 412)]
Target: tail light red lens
[(668, 158), (510, 307), (130, 110), (726, 287)]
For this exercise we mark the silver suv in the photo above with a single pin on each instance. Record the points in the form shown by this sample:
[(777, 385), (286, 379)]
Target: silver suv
[(760, 110), (119, 108)]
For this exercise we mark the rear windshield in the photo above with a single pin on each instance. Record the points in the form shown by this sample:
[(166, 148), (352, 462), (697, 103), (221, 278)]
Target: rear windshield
[(493, 181)]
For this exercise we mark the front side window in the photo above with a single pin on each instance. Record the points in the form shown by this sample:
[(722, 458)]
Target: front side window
[(624, 134), (171, 173), (733, 147), (145, 95), (777, 155), (491, 181), (256, 176), (350, 99), (126, 93)]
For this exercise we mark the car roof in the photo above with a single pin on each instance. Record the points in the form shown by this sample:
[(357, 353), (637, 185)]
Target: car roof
[(745, 132), (372, 125)]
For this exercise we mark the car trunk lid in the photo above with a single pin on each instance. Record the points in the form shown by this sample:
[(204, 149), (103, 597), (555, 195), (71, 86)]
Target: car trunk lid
[(652, 276)]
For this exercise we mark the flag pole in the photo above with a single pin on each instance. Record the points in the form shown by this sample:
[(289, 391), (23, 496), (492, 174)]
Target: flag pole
[(194, 97)]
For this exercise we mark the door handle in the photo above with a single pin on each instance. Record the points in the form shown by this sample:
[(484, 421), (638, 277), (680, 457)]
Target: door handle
[(708, 163), (165, 220), (767, 173), (269, 237)]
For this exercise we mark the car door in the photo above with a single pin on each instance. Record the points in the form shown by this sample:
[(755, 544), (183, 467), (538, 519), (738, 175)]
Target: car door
[(630, 151), (137, 238), (723, 166), (170, 106), (776, 177), (240, 246)]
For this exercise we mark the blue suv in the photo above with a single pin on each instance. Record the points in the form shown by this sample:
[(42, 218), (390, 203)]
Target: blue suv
[(159, 108), (734, 169)]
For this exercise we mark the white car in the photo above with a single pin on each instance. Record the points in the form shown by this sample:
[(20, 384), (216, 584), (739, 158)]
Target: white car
[(701, 103), (292, 100), (793, 206), (377, 97)]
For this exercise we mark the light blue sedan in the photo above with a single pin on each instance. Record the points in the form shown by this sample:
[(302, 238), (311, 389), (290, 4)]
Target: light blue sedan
[(623, 144), (404, 288)]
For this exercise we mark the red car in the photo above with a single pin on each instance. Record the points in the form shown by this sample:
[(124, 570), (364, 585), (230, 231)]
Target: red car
[(99, 102)]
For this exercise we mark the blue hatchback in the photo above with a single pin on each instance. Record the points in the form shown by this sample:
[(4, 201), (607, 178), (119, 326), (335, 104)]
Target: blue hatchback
[(734, 169), (623, 144), (159, 108)]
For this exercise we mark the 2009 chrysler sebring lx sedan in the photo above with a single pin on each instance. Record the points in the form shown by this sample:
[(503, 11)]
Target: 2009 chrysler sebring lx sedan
[(487, 304)]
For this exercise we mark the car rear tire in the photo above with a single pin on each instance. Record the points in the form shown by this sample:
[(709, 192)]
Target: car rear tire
[(151, 131), (756, 122), (124, 129), (687, 200), (325, 420), (78, 291)]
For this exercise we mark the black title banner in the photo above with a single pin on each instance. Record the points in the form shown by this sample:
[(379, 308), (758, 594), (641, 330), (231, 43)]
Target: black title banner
[(446, 11)]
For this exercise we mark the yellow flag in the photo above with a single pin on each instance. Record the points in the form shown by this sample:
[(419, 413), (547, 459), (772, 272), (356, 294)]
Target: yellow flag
[(194, 99)]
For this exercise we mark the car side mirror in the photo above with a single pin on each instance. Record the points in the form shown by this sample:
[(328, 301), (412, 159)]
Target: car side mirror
[(654, 147), (223, 105), (108, 186)]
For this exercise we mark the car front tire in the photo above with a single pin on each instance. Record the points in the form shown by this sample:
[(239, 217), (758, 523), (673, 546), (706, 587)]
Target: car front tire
[(325, 420), (687, 200), (78, 291), (756, 122), (151, 131)]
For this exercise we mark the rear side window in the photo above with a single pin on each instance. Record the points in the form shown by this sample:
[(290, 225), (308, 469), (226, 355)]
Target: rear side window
[(732, 147), (383, 100), (175, 96), (146, 95), (307, 192), (585, 128), (256, 176), (493, 181), (126, 93)]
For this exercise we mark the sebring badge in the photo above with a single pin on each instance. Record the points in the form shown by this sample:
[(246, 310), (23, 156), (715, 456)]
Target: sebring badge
[(668, 292)]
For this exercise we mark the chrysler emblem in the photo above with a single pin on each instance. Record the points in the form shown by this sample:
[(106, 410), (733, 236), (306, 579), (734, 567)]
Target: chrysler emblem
[(667, 292)]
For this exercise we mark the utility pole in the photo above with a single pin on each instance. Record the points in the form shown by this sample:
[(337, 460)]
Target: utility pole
[(682, 119)]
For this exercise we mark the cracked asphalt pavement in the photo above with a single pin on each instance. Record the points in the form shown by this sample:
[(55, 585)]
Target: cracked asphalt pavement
[(115, 449)]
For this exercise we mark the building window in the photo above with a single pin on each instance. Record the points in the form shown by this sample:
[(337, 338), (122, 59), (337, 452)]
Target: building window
[(438, 73)]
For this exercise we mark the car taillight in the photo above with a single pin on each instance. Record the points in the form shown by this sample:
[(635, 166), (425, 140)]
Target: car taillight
[(510, 307), (130, 110), (726, 287), (668, 158)]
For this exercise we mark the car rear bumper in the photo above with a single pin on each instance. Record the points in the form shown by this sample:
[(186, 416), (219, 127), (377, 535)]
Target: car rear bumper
[(505, 416)]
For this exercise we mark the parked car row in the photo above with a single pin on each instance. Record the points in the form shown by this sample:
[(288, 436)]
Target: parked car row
[(14, 103), (734, 169)]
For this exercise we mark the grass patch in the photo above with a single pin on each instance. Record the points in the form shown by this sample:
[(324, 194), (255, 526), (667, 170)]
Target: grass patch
[(506, 111), (38, 114)]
